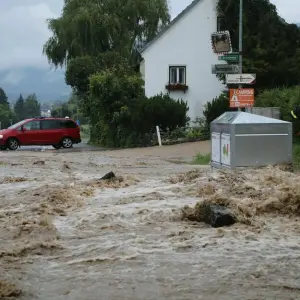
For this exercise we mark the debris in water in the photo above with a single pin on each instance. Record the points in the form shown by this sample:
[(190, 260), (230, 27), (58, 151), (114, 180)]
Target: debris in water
[(110, 180), (187, 177), (8, 290), (218, 216), (66, 167), (110, 175), (12, 180), (39, 162), (252, 198)]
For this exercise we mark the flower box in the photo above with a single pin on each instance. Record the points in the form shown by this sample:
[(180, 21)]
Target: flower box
[(177, 87)]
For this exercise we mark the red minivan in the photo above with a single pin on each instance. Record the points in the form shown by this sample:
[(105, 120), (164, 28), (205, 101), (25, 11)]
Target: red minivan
[(58, 132)]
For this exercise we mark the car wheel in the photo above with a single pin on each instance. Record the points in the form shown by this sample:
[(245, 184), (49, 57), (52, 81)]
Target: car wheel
[(67, 142), (12, 144), (56, 146), (3, 148)]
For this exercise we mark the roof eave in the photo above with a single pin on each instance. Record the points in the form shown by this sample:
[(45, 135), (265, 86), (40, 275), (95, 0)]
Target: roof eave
[(167, 27)]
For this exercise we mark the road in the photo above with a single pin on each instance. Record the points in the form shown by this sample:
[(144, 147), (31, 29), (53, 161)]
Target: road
[(65, 234)]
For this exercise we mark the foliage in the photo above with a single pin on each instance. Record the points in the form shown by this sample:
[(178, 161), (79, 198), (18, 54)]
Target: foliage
[(122, 116), (201, 159), (284, 98), (28, 108), (32, 106), (3, 98), (216, 107), (71, 108), (90, 27), (271, 46), (79, 69), (98, 41), (7, 116), (19, 108)]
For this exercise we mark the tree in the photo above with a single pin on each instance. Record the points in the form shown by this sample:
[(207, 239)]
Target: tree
[(19, 108), (122, 116), (3, 98), (90, 27), (32, 106), (7, 116)]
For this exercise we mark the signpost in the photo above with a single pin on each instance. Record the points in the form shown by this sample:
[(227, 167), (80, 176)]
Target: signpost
[(240, 79), (241, 97), (232, 57), (224, 69)]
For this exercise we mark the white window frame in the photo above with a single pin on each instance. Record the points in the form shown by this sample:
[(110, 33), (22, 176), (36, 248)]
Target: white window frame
[(177, 74)]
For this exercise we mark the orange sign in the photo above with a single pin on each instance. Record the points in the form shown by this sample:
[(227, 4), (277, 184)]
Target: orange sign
[(241, 97)]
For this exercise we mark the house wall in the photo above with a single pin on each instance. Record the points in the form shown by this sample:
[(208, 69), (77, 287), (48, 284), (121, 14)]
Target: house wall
[(187, 43)]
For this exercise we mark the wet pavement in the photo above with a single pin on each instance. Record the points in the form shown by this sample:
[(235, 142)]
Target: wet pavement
[(65, 234)]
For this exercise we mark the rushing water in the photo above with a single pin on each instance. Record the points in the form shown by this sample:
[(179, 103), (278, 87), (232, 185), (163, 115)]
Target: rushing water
[(130, 242)]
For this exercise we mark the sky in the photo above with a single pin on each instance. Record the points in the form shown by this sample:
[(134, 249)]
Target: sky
[(23, 30)]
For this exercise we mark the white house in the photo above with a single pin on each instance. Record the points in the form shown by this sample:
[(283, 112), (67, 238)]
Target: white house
[(182, 53)]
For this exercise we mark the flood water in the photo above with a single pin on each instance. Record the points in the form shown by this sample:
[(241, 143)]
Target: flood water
[(66, 235)]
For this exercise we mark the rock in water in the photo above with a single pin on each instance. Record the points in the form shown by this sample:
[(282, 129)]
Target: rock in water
[(109, 175), (218, 216)]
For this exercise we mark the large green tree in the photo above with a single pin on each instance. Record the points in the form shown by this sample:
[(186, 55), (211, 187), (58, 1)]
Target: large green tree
[(3, 98), (90, 27), (32, 106), (19, 108)]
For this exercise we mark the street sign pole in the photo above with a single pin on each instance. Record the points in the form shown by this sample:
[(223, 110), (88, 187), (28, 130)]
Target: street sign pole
[(241, 41)]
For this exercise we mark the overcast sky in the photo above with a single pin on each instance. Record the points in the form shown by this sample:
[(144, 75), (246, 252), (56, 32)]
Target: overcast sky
[(23, 28)]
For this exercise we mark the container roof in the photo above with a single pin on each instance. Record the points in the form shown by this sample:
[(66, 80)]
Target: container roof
[(240, 117)]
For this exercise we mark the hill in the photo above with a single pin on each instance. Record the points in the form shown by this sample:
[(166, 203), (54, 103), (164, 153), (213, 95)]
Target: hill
[(49, 85)]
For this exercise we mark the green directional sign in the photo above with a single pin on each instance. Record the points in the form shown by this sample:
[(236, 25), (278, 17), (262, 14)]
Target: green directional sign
[(232, 57)]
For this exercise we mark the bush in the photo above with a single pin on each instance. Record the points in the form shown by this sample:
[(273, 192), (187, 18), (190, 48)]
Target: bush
[(121, 116), (284, 98), (216, 107)]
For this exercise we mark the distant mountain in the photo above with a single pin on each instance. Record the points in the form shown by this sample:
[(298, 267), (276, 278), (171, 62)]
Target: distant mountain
[(49, 85)]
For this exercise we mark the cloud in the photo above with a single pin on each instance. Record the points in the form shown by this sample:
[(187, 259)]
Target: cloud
[(13, 77), (23, 32)]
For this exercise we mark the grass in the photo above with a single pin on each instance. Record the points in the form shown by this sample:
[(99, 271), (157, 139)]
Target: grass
[(296, 156), (201, 159)]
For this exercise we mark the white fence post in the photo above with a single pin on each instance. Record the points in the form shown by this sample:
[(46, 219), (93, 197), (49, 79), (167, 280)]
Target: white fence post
[(158, 136)]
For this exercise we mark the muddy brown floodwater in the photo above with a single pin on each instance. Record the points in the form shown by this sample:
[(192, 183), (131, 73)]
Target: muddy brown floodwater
[(66, 235)]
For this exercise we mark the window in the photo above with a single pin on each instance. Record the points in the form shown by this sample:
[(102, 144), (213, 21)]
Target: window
[(177, 74), (220, 23), (67, 124), (32, 125), (50, 124)]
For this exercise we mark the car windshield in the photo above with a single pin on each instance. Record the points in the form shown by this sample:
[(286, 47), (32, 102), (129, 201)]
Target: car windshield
[(16, 125)]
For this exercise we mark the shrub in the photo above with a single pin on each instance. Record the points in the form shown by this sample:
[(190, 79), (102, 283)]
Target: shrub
[(121, 116), (216, 107), (284, 98)]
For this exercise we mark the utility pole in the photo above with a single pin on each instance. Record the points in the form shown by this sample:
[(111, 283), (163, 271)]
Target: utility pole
[(241, 42)]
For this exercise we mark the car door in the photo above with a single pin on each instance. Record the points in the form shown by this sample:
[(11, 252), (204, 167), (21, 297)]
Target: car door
[(29, 133), (49, 132)]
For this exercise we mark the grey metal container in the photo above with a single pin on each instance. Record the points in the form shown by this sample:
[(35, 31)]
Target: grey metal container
[(240, 139), (271, 112)]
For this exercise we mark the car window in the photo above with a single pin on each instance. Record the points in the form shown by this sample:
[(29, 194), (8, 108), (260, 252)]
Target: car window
[(50, 124), (15, 126), (32, 125), (68, 124)]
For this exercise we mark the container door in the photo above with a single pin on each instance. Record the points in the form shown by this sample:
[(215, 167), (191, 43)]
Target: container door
[(215, 147), (225, 149)]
